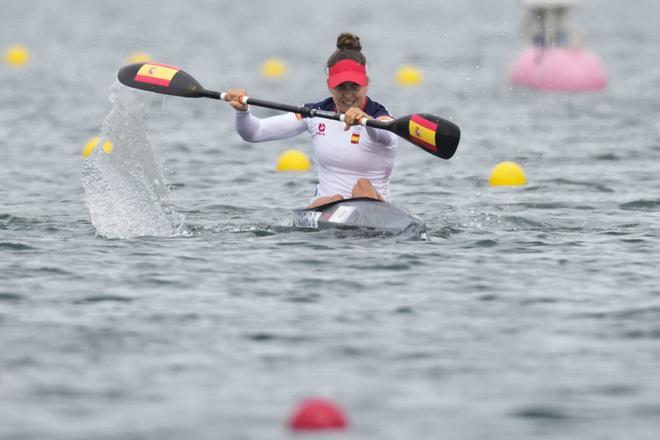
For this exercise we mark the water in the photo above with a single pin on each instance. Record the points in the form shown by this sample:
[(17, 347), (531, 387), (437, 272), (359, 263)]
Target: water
[(163, 303)]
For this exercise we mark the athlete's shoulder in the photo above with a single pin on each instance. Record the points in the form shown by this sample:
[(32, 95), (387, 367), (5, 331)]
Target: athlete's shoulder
[(376, 109), (327, 104), (373, 108)]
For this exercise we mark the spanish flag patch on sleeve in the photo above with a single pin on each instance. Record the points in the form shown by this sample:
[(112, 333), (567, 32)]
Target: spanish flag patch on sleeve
[(355, 138)]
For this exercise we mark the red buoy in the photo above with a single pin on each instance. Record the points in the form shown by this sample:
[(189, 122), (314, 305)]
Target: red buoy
[(317, 414)]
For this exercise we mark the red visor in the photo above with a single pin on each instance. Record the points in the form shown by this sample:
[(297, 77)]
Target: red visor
[(347, 70)]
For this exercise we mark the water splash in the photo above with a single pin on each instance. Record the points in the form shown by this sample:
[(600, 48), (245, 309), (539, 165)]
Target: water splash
[(124, 188)]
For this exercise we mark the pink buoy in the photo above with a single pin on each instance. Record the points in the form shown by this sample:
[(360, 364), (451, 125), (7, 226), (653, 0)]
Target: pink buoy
[(555, 60), (559, 69)]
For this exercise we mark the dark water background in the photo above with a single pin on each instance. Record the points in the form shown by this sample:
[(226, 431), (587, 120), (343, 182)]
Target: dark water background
[(533, 312)]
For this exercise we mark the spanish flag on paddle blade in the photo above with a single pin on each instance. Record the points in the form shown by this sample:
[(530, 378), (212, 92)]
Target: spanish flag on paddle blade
[(156, 74), (422, 132)]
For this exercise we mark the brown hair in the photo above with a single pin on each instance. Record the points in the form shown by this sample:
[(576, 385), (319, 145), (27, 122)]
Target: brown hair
[(348, 48)]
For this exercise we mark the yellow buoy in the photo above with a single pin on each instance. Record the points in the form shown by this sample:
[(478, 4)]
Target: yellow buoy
[(273, 68), (507, 174), (293, 160), (17, 55), (138, 57), (108, 146), (91, 144), (94, 142), (408, 75)]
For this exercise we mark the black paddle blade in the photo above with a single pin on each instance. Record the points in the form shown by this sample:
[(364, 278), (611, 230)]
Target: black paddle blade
[(160, 78), (431, 133)]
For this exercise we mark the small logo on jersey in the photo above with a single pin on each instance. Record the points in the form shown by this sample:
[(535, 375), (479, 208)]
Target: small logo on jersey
[(321, 128), (355, 138)]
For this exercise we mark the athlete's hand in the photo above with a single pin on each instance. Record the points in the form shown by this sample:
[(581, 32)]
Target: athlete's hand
[(233, 98), (353, 116)]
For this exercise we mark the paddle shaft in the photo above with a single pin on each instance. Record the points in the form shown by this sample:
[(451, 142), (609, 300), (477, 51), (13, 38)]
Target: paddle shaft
[(309, 112)]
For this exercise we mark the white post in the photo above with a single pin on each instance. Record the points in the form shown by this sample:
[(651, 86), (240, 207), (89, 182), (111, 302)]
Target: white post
[(546, 21)]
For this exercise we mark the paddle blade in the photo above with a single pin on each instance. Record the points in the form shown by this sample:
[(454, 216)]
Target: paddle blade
[(160, 78), (431, 133)]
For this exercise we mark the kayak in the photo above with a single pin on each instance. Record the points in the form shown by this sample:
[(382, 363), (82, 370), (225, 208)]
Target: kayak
[(373, 217)]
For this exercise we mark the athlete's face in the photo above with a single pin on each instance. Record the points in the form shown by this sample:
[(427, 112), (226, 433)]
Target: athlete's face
[(347, 95)]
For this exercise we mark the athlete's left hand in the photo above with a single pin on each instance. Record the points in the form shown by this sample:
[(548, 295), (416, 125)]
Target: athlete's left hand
[(353, 116)]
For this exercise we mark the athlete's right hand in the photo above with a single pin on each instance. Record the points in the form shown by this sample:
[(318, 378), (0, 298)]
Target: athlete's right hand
[(233, 97)]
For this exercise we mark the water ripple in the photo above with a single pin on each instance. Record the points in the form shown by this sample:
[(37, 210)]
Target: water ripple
[(599, 187), (539, 412), (103, 298), (12, 246), (641, 205), (10, 297), (8, 221)]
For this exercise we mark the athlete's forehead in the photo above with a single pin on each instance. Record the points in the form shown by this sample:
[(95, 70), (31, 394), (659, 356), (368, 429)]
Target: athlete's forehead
[(347, 85)]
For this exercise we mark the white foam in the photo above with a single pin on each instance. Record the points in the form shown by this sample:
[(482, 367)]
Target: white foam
[(124, 189)]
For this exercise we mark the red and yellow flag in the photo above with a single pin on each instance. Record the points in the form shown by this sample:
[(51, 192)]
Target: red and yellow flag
[(355, 138), (157, 74), (422, 131)]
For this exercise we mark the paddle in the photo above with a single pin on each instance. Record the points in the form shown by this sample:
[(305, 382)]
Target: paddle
[(431, 133)]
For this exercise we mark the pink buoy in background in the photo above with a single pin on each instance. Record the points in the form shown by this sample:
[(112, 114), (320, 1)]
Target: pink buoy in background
[(555, 61), (559, 69)]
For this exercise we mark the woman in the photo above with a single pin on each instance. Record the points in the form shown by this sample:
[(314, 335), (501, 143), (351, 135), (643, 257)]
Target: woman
[(352, 160)]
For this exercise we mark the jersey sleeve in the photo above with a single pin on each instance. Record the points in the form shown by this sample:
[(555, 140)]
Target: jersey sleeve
[(377, 137), (253, 129), (385, 138), (376, 110)]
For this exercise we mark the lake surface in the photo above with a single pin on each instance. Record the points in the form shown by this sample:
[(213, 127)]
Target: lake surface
[(147, 293)]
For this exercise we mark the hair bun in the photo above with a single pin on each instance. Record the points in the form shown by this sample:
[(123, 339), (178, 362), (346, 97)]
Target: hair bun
[(348, 41)]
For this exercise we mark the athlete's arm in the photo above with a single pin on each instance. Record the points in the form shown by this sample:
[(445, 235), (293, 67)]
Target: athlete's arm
[(384, 137), (253, 129)]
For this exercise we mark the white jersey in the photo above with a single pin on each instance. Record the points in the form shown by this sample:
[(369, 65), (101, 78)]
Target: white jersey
[(341, 157)]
